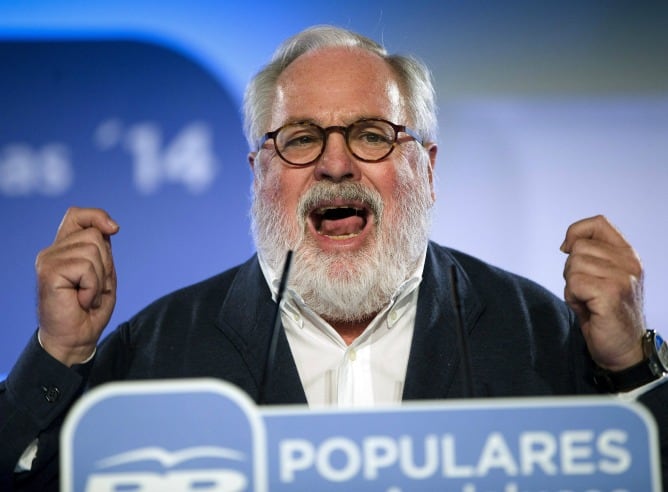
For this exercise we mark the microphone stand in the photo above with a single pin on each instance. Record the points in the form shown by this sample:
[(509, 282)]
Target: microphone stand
[(276, 327), (465, 354)]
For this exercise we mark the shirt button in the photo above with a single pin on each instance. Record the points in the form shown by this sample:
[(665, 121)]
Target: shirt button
[(296, 317), (352, 355), (51, 394), (393, 316)]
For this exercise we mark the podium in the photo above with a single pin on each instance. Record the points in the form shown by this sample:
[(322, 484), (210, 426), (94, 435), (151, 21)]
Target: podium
[(206, 435)]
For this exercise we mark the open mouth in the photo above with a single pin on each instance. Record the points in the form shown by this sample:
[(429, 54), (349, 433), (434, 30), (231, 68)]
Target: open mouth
[(339, 221)]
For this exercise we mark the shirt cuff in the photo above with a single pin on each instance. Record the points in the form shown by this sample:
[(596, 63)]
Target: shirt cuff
[(88, 359), (635, 393), (25, 461)]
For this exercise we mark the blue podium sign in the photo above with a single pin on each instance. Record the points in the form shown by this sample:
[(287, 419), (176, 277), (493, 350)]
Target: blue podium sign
[(163, 436), (204, 435)]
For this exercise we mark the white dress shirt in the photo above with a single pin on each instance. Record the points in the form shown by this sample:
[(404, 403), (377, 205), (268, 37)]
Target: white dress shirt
[(368, 372)]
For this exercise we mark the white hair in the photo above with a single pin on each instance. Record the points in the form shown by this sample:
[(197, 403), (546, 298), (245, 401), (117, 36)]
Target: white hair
[(413, 76)]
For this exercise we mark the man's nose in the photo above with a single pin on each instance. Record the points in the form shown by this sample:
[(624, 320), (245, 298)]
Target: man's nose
[(337, 162)]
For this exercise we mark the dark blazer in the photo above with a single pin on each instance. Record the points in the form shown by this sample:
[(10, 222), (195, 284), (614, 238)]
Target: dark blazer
[(523, 340)]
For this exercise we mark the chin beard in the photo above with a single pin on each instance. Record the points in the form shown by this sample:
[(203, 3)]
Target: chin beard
[(351, 285)]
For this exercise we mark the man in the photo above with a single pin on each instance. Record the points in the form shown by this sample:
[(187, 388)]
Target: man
[(343, 155)]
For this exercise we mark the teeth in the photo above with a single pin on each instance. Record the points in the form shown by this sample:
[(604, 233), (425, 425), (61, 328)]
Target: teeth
[(341, 237)]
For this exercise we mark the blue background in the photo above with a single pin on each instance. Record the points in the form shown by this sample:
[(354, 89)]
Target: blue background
[(549, 112)]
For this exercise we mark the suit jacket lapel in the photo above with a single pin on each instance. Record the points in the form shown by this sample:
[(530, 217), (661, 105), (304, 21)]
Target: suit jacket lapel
[(246, 318), (433, 365)]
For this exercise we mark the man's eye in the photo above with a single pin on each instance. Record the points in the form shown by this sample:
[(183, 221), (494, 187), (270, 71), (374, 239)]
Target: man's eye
[(373, 138), (303, 140)]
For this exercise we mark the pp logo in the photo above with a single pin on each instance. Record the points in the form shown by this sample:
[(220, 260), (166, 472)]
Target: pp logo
[(161, 436), (112, 476)]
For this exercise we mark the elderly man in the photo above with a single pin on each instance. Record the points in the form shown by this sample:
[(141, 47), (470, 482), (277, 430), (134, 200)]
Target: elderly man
[(343, 155)]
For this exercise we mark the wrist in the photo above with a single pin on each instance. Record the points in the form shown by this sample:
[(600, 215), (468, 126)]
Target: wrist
[(653, 365), (67, 356)]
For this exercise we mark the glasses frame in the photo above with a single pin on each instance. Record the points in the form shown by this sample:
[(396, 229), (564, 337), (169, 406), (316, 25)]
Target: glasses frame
[(345, 131)]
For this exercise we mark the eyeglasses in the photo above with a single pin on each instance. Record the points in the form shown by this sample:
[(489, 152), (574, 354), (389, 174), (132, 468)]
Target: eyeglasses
[(369, 140)]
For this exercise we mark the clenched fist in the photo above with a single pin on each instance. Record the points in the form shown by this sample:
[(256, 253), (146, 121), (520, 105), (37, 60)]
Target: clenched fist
[(604, 286), (76, 283)]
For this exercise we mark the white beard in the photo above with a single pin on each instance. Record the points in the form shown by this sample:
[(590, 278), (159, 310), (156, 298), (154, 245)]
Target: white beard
[(352, 285)]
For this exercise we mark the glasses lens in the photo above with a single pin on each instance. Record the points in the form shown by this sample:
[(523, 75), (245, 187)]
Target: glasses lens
[(299, 143), (371, 139)]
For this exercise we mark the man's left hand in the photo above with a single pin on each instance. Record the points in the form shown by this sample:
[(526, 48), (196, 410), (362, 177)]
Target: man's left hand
[(604, 286)]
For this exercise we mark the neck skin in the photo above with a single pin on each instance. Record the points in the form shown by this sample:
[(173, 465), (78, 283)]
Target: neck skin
[(350, 330)]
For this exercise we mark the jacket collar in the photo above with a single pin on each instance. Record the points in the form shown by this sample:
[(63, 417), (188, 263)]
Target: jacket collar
[(247, 318), (434, 364)]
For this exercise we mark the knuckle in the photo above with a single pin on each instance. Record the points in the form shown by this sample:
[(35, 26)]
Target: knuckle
[(569, 268), (601, 221), (634, 284), (574, 263), (89, 249), (92, 272), (92, 234), (576, 278), (69, 216), (39, 260), (637, 269), (579, 247), (43, 262)]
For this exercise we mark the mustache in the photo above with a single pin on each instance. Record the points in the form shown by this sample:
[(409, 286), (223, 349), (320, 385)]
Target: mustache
[(326, 191)]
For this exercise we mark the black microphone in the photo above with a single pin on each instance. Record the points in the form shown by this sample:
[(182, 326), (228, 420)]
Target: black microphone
[(465, 354), (273, 341)]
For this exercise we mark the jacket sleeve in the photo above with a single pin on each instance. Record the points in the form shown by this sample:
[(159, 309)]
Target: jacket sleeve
[(34, 400)]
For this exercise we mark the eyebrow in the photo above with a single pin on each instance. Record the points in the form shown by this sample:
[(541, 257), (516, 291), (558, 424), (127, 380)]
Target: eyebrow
[(350, 121)]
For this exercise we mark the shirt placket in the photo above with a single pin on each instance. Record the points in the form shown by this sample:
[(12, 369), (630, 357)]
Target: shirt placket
[(354, 379)]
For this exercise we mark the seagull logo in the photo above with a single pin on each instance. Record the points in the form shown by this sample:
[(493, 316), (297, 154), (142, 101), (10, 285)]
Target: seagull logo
[(167, 459), (209, 480)]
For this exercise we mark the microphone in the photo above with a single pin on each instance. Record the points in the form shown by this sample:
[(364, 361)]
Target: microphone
[(276, 327), (465, 354)]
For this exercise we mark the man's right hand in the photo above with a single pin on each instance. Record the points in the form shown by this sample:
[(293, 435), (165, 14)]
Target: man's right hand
[(76, 282)]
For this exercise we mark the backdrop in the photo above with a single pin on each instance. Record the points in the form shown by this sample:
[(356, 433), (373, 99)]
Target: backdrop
[(548, 113)]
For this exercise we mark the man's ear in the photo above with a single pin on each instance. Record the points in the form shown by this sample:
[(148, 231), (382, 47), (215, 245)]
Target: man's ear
[(251, 160)]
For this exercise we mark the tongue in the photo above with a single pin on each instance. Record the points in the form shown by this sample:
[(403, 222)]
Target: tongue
[(342, 227)]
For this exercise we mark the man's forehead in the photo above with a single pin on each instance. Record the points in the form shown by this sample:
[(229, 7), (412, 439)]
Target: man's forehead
[(337, 83)]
